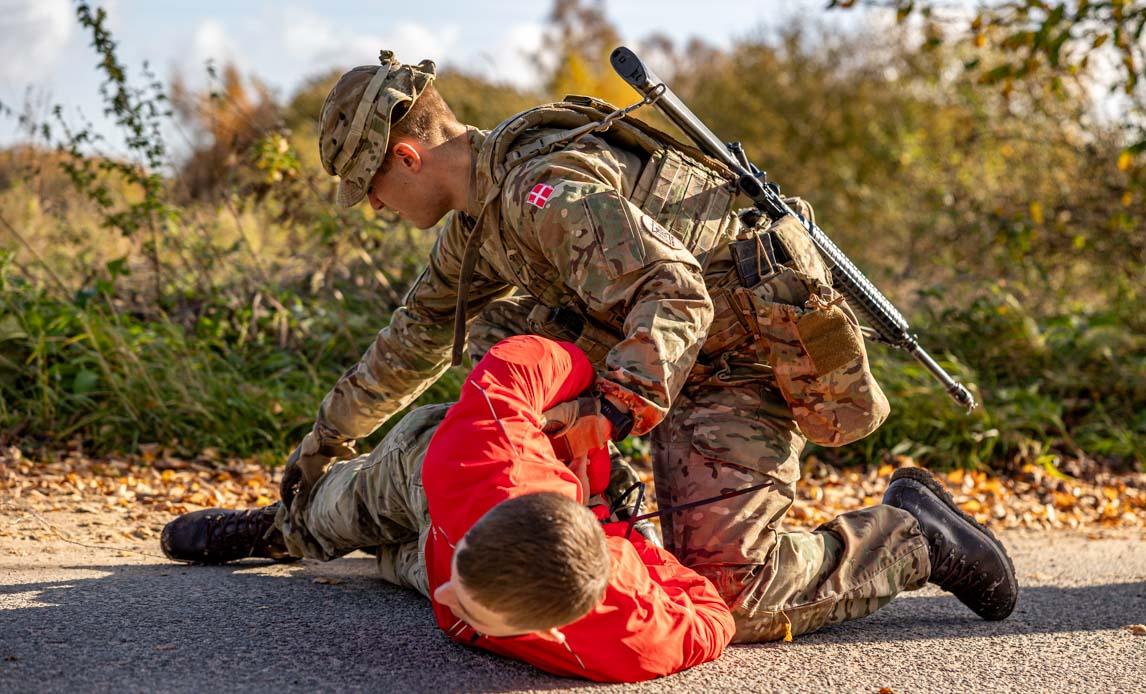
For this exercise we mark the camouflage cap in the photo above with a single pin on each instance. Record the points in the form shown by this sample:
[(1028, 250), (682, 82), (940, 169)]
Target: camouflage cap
[(354, 127)]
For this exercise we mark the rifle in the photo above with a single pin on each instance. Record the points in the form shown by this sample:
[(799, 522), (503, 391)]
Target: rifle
[(887, 323)]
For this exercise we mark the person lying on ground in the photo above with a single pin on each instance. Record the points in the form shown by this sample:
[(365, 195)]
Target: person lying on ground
[(470, 506)]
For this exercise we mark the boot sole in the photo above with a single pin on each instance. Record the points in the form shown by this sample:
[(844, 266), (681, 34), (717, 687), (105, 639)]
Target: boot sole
[(933, 485)]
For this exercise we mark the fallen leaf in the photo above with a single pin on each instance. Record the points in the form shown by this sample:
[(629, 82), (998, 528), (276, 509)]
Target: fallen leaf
[(886, 690), (1063, 500), (1137, 629), (328, 580), (799, 511)]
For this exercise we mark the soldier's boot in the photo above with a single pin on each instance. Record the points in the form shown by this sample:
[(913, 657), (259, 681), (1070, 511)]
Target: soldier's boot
[(966, 558), (217, 536)]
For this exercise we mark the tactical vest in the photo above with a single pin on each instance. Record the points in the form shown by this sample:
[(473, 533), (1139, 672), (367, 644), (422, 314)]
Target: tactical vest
[(688, 194)]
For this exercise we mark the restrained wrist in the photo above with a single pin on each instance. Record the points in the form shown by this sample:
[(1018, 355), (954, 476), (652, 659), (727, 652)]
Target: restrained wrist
[(622, 420)]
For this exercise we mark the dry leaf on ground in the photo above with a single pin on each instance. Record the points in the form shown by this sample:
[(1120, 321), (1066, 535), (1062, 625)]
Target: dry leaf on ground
[(150, 490)]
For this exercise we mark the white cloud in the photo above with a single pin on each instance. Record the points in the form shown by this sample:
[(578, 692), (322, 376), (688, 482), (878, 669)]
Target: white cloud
[(314, 41), (211, 43), (412, 42), (33, 35), (510, 61), (303, 32)]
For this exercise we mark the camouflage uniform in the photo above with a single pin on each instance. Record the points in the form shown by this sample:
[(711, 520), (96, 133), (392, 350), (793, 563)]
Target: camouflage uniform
[(374, 501), (626, 254)]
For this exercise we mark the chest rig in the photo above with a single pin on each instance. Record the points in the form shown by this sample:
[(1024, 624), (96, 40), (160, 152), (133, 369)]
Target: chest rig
[(688, 194)]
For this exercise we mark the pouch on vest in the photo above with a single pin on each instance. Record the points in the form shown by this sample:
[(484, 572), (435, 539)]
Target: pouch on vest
[(805, 330), (692, 202)]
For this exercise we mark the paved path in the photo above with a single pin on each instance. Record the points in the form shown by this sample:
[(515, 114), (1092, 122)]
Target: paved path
[(74, 619)]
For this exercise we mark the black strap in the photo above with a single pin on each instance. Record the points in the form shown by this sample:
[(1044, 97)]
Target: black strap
[(640, 487)]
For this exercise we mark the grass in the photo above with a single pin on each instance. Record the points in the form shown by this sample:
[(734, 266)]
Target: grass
[(1054, 388), (246, 382)]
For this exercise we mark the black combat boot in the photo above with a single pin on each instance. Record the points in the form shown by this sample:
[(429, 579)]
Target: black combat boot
[(217, 536), (966, 559)]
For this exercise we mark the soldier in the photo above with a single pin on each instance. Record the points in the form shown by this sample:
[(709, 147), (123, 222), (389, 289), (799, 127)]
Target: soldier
[(569, 223)]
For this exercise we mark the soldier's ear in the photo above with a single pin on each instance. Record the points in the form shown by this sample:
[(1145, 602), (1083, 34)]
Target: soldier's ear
[(407, 156)]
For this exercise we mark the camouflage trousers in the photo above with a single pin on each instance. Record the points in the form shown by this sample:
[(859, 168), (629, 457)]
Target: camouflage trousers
[(372, 501), (729, 429)]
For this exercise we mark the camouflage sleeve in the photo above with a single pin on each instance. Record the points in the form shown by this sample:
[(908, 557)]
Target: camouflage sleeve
[(410, 353), (567, 208)]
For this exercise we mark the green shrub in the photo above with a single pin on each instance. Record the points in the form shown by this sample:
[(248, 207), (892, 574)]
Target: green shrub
[(85, 372)]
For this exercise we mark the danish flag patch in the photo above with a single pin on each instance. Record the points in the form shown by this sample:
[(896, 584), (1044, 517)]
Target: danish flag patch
[(539, 195)]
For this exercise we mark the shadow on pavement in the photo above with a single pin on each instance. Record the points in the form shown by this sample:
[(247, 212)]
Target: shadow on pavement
[(1040, 610), (237, 627), (177, 628)]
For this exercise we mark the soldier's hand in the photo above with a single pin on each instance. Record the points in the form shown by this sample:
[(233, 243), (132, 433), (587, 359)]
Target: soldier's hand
[(580, 434), (578, 425), (307, 463)]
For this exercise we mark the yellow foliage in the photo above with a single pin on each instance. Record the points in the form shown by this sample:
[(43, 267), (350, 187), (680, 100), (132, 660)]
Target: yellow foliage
[(578, 73), (1036, 212), (972, 506)]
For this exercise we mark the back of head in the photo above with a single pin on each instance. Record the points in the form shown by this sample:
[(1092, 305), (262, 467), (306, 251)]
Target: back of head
[(539, 560)]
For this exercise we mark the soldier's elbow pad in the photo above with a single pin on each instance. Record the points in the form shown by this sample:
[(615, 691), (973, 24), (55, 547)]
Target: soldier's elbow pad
[(842, 425)]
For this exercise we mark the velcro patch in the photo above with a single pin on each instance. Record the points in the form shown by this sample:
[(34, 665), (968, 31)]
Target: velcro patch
[(539, 195), (830, 339), (660, 233)]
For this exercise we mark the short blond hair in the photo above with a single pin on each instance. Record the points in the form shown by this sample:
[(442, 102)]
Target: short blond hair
[(539, 560), (427, 120)]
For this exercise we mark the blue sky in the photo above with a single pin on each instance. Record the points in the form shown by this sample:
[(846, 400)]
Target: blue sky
[(45, 58)]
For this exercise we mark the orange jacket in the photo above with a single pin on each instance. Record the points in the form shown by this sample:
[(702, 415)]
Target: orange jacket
[(657, 617)]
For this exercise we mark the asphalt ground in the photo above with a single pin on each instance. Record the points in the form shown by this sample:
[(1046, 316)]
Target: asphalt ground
[(80, 619)]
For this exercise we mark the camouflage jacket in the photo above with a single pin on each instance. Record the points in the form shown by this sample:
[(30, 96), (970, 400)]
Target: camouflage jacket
[(567, 232)]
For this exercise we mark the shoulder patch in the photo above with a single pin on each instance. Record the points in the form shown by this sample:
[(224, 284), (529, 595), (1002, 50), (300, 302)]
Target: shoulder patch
[(660, 233), (539, 195)]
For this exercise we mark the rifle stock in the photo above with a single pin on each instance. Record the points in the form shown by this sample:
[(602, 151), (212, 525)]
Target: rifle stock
[(880, 314)]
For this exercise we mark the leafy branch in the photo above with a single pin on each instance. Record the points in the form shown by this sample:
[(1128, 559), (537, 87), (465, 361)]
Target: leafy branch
[(1056, 40)]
